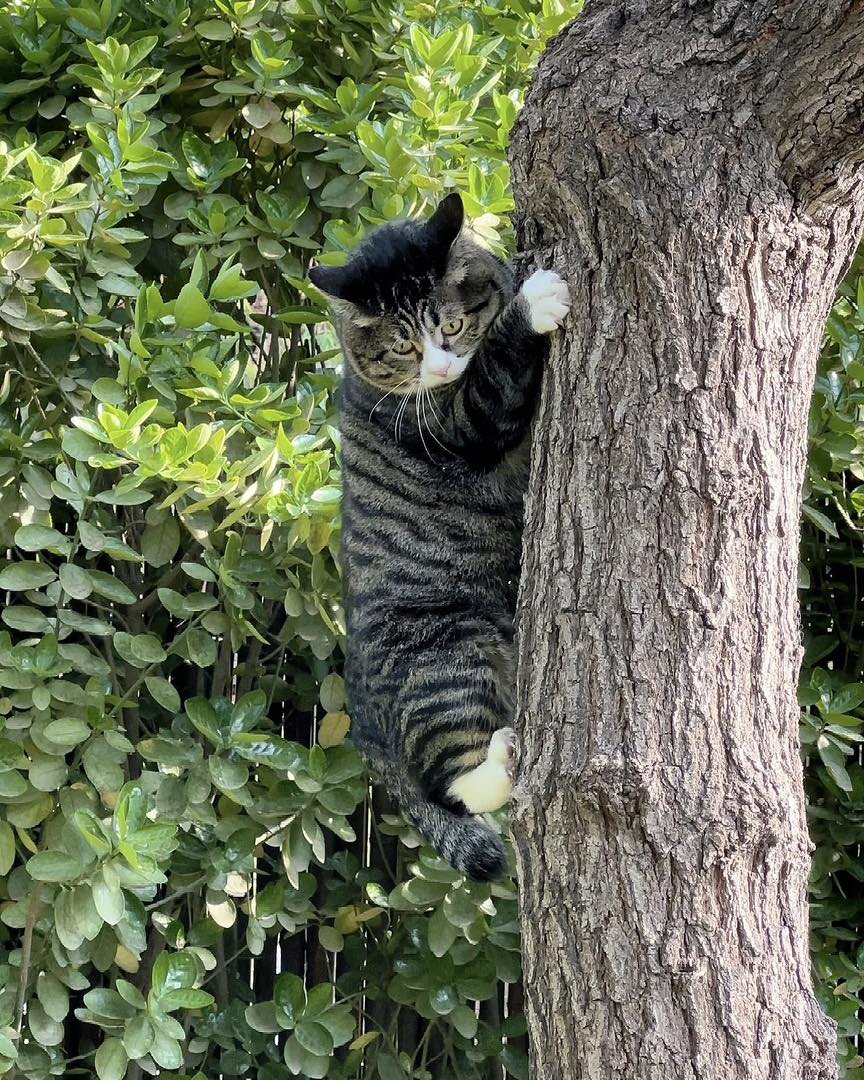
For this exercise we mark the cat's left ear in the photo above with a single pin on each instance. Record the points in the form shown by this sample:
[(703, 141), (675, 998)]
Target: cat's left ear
[(333, 281), (446, 223)]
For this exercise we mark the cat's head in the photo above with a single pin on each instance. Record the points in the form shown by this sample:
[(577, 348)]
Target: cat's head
[(414, 301)]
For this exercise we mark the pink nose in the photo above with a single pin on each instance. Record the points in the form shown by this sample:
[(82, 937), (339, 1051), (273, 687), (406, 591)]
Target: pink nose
[(440, 368)]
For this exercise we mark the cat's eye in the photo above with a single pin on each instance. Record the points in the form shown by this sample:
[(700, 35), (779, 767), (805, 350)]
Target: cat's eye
[(403, 347), (452, 327)]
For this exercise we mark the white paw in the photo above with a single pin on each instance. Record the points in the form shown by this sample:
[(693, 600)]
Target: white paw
[(488, 786), (502, 749), (548, 300)]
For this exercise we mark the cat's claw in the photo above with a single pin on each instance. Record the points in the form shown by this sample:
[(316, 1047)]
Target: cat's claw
[(548, 300)]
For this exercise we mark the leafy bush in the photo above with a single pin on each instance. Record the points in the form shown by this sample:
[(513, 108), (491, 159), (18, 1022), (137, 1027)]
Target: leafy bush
[(195, 880), (832, 678)]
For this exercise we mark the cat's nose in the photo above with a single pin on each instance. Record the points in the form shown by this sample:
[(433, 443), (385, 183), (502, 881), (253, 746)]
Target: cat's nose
[(437, 362)]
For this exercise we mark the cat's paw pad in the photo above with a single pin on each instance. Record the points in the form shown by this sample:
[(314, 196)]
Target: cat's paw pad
[(548, 300), (502, 748)]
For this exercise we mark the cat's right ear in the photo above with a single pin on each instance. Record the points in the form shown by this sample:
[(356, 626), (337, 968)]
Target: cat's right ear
[(333, 281), (446, 223)]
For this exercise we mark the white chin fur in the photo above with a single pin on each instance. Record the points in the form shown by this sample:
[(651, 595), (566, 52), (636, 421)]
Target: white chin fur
[(429, 380)]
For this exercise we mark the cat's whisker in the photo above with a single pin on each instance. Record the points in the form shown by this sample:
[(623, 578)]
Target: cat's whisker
[(434, 409), (400, 414), (392, 390), (418, 400), (425, 396), (399, 409)]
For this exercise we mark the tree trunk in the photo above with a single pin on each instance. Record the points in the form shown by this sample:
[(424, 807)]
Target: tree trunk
[(694, 169)]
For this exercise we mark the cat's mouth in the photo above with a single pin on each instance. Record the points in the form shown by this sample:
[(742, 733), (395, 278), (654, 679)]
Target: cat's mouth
[(429, 380)]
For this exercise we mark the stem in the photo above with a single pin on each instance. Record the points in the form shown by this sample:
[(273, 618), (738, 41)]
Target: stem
[(26, 954)]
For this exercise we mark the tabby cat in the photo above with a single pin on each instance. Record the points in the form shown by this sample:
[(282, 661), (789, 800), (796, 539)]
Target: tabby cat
[(443, 365)]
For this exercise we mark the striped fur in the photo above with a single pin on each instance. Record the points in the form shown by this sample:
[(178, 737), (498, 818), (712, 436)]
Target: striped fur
[(434, 479)]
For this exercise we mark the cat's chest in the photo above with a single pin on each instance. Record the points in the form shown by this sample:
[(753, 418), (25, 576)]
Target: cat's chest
[(501, 488)]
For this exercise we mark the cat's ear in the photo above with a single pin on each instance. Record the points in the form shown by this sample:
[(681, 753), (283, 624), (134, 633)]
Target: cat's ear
[(333, 281), (446, 223)]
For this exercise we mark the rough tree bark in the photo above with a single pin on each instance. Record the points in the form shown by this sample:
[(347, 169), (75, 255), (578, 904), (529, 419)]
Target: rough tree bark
[(694, 169)]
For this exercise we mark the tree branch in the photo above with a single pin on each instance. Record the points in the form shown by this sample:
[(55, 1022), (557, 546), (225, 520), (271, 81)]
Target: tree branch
[(815, 106)]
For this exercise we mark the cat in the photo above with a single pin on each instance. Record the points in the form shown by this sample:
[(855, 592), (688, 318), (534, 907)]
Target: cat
[(443, 361)]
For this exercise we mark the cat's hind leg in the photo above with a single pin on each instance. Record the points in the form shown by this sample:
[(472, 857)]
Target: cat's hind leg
[(487, 787)]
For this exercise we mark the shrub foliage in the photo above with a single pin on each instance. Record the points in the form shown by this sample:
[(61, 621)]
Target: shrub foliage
[(832, 677), (196, 879)]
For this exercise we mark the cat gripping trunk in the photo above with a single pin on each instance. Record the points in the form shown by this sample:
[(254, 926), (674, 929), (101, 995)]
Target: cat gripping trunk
[(443, 362)]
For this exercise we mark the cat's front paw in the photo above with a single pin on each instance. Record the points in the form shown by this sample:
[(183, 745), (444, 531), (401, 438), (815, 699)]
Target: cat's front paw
[(548, 300), (503, 748)]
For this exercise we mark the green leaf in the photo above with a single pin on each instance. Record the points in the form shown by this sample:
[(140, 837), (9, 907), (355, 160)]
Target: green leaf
[(343, 192), (129, 992), (185, 999), (231, 285), (314, 1037), (465, 1021), (441, 933), (68, 731), (83, 910), (76, 582), (166, 1051), (26, 575), (28, 620), (200, 648), (515, 1062), (163, 693), (332, 693), (847, 698), (159, 543), (289, 995), (835, 762), (66, 923), (262, 1017), (111, 588), (820, 520), (111, 1060), (331, 939), (389, 1068), (41, 538), (228, 775), (459, 909), (109, 390), (7, 848), (53, 866), (138, 1036), (140, 650), (109, 900), (203, 716), (44, 1030), (174, 971), (191, 309), (108, 1003), (53, 996), (79, 446), (214, 30)]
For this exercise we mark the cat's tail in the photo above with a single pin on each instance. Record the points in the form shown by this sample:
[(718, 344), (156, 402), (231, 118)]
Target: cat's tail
[(466, 842)]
